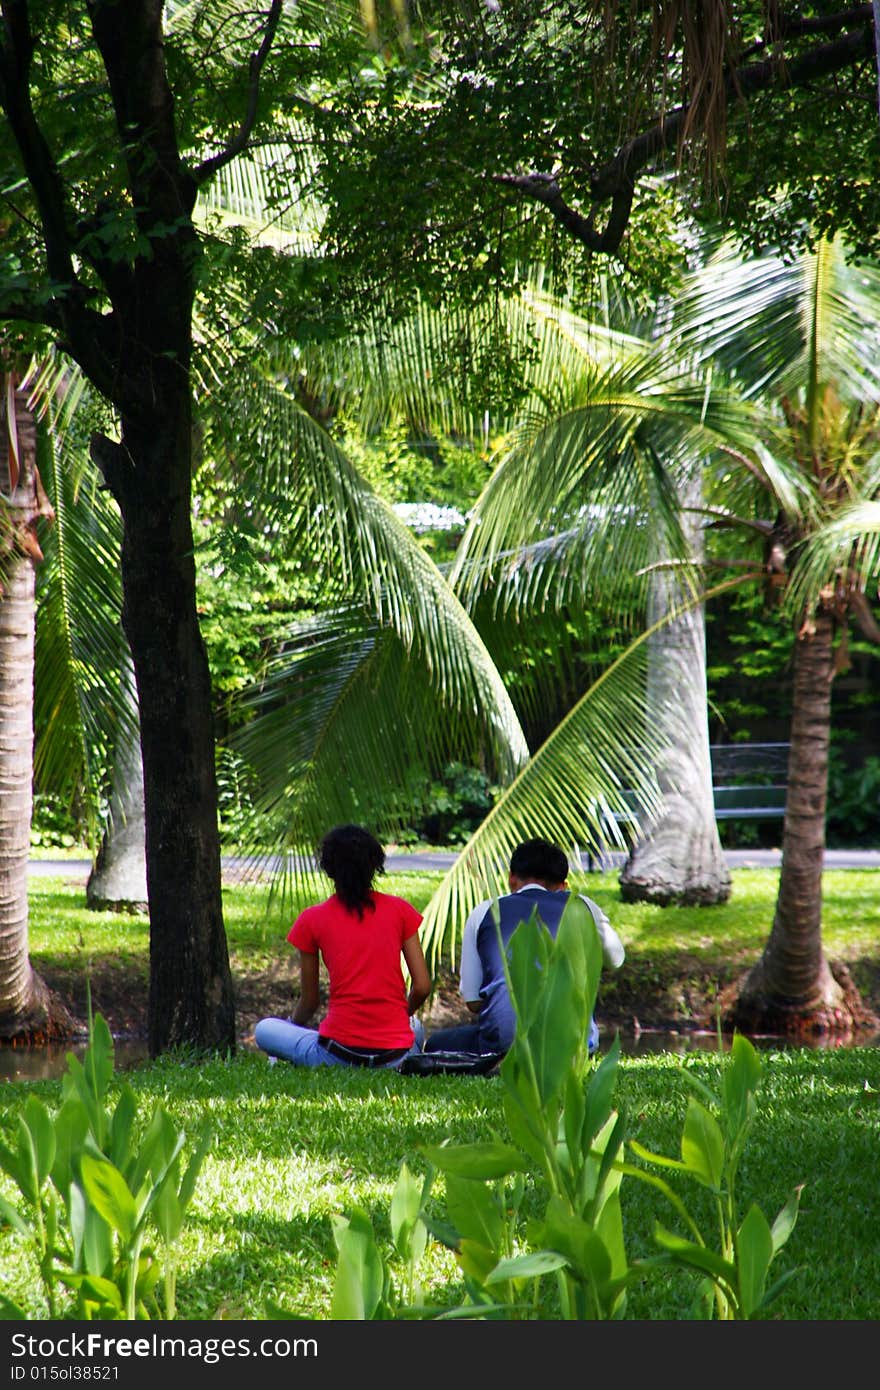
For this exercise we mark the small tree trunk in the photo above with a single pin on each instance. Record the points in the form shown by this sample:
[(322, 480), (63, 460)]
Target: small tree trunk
[(29, 1010), (680, 860), (792, 990), (118, 880)]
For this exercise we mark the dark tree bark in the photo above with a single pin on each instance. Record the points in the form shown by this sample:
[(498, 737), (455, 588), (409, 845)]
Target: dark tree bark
[(137, 353), (792, 989)]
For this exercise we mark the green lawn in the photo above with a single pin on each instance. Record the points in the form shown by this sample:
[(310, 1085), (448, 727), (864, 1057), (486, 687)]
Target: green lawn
[(292, 1148)]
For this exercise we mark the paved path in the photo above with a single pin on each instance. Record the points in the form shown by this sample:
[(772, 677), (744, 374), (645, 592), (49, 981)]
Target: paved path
[(440, 860)]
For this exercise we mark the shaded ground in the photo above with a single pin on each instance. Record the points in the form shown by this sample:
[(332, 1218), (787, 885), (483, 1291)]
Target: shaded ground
[(681, 993)]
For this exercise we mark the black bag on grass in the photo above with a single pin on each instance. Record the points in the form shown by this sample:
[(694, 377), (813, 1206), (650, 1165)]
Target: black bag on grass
[(450, 1063)]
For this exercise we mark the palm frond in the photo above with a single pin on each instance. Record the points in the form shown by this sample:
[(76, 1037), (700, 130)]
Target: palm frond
[(80, 646), (314, 500)]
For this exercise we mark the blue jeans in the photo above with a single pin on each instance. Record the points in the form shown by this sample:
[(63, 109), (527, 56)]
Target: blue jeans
[(465, 1037), (293, 1043)]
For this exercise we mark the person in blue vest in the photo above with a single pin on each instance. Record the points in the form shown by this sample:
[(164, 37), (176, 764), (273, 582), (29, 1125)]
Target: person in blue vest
[(538, 878)]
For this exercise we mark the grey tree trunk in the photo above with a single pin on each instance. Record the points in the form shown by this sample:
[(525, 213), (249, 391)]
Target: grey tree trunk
[(29, 1011), (118, 880), (792, 989), (680, 859)]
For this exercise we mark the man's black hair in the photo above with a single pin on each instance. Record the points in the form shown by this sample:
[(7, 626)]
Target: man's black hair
[(541, 860)]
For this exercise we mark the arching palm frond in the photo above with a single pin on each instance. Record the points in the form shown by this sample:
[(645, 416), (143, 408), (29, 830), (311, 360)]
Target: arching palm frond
[(846, 550), (597, 763), (316, 503), (596, 471), (345, 726), (80, 647), (781, 326)]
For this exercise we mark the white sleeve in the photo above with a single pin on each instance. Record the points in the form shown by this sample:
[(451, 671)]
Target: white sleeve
[(613, 953), (471, 975)]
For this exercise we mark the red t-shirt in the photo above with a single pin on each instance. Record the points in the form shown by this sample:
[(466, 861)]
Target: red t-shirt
[(367, 991)]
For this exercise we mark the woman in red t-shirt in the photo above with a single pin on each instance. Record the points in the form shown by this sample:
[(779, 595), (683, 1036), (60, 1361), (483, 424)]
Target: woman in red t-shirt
[(360, 935)]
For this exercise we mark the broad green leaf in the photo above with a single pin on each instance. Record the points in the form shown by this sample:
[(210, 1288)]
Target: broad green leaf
[(662, 1160), (754, 1251), (482, 1160), (406, 1202), (98, 1059), (92, 1237), (601, 1173), (702, 1145), (696, 1257), (11, 1164), (557, 1033), (476, 1211), (741, 1078), (785, 1220), (599, 1094), (167, 1213), (476, 1259), (528, 951), (609, 1229), (13, 1218), (360, 1271), (578, 1241), (529, 1266), (106, 1190), (776, 1288), (202, 1147), (71, 1127), (42, 1131), (578, 940), (119, 1139), (97, 1288)]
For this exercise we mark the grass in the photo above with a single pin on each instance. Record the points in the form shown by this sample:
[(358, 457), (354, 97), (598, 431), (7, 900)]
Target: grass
[(293, 1147)]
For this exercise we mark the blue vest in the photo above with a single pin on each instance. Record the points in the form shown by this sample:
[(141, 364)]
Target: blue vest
[(497, 1017)]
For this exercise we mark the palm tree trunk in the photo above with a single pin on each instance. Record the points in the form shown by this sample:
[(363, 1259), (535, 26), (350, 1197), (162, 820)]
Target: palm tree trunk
[(680, 859), (792, 990), (29, 1011), (118, 880)]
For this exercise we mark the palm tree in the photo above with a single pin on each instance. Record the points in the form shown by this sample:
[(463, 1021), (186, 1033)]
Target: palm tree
[(534, 340), (803, 336), (28, 1009), (591, 395)]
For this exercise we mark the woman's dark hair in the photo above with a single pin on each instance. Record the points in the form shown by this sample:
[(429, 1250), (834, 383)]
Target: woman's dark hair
[(352, 857)]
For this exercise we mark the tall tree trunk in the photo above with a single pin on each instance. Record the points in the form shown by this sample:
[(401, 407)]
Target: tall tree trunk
[(791, 990), (118, 880), (680, 860), (191, 997), (29, 1011)]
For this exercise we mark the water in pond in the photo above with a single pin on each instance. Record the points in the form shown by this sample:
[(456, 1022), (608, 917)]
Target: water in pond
[(50, 1062)]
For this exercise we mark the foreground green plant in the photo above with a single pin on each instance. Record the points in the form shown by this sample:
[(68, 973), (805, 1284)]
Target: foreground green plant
[(92, 1187), (567, 1144), (735, 1273)]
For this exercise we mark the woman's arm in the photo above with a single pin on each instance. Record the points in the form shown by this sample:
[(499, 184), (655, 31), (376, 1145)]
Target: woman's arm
[(420, 986), (308, 987)]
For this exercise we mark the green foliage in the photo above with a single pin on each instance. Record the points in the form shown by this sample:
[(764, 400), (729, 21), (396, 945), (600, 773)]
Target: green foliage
[(853, 800), (736, 1270), (93, 1185), (53, 824), (567, 1144), (451, 807)]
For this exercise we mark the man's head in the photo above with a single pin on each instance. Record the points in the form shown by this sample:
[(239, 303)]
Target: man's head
[(538, 861)]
